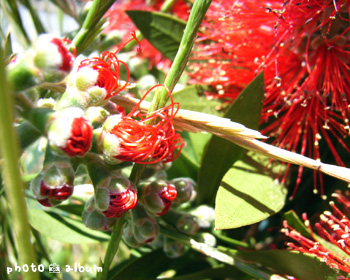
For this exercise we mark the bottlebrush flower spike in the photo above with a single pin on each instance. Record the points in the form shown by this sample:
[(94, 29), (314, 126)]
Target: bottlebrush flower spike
[(71, 132), (304, 51), (143, 138), (334, 228), (103, 71), (116, 195)]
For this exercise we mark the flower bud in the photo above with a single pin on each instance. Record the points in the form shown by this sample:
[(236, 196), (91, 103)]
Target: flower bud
[(173, 249), (129, 237), (22, 73), (54, 184), (94, 219), (157, 196), (185, 189), (71, 132), (145, 229), (183, 222), (115, 195), (96, 115), (51, 53), (187, 224), (205, 215)]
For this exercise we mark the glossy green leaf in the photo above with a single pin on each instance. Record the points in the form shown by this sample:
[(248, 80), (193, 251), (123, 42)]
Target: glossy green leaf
[(192, 98), (162, 30), (220, 154), (63, 229), (248, 193), (303, 267)]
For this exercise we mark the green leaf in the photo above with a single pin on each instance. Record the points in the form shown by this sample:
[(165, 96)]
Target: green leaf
[(192, 98), (63, 229), (149, 266), (8, 45), (220, 154), (303, 267), (187, 164), (218, 272), (294, 221), (162, 30), (248, 193)]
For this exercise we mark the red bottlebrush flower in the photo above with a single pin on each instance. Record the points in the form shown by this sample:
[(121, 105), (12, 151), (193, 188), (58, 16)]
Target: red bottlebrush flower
[(146, 140), (71, 132), (121, 201), (120, 21), (332, 227), (103, 71), (302, 47)]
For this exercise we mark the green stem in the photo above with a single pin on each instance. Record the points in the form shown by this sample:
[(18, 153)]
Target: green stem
[(231, 241), (91, 25), (198, 11), (112, 248), (12, 178), (215, 253), (35, 17)]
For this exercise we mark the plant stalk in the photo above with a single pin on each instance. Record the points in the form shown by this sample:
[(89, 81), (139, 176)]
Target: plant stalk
[(12, 178)]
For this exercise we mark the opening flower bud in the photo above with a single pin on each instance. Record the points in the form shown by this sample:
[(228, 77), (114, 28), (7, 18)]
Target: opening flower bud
[(94, 219), (145, 229), (116, 196), (54, 184), (52, 53), (71, 132), (157, 196)]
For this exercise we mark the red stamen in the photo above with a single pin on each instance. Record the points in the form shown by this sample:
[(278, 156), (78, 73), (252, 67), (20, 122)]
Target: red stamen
[(121, 202), (147, 143)]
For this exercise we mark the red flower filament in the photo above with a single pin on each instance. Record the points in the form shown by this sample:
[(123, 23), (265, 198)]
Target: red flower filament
[(79, 142), (334, 228), (57, 193), (168, 195), (108, 67), (121, 202), (144, 142)]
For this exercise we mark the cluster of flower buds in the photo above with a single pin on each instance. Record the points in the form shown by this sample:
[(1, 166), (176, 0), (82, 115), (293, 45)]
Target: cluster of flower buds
[(48, 61), (84, 126)]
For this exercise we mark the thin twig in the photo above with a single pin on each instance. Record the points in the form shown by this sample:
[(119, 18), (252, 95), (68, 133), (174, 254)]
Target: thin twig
[(240, 135)]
